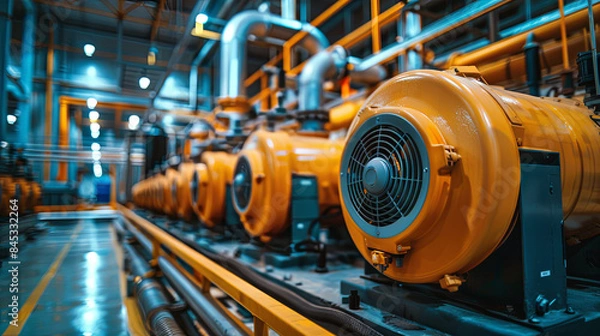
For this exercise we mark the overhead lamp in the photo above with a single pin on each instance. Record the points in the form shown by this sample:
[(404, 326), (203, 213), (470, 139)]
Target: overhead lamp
[(11, 119), (95, 146), (94, 115), (152, 52), (96, 156), (201, 18), (94, 127), (97, 169), (91, 103), (134, 122), (89, 50), (95, 135), (144, 82)]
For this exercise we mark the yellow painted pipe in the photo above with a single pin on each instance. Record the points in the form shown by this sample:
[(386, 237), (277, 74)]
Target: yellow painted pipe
[(341, 116), (513, 67), (514, 45)]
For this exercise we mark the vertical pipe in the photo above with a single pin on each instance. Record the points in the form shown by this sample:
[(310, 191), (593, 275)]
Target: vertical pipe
[(532, 65), (120, 54), (63, 138), (288, 9), (563, 35), (594, 50), (5, 34), (413, 28), (27, 65), (375, 33), (49, 98), (493, 26)]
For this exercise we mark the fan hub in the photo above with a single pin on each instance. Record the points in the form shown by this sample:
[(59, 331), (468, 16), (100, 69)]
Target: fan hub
[(376, 176)]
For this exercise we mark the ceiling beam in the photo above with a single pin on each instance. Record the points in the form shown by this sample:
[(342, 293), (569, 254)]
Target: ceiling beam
[(128, 10), (110, 7), (156, 23), (142, 21)]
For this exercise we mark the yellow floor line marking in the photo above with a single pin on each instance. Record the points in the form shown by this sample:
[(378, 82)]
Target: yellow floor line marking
[(135, 322), (33, 299)]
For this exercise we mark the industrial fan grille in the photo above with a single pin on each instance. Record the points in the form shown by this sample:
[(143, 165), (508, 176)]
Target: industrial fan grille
[(242, 183), (395, 145)]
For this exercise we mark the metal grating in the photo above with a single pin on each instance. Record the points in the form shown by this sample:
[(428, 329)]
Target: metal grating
[(402, 184)]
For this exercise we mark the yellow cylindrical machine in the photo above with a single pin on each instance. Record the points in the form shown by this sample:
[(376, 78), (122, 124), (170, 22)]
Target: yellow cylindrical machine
[(35, 194), (169, 192), (7, 189), (431, 170), (182, 186), (262, 184), (208, 187), (22, 193)]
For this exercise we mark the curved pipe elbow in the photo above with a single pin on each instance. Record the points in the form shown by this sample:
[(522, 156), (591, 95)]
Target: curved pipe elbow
[(235, 37), (319, 68)]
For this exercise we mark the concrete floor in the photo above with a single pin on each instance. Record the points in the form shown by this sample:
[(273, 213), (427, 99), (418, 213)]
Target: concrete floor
[(71, 283)]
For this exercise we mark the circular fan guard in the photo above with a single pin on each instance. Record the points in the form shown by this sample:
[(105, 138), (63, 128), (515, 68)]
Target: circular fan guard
[(384, 175), (242, 183)]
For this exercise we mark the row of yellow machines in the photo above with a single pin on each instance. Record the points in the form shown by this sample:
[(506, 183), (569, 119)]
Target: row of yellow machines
[(428, 177), (16, 183)]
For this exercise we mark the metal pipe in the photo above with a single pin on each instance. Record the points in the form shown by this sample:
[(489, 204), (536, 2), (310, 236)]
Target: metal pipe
[(154, 307), (234, 40), (319, 68), (442, 60), (532, 65), (563, 35), (204, 309), (180, 48), (514, 44), (594, 50), (27, 65), (288, 9), (137, 266), (371, 76), (5, 35), (440, 27), (513, 67)]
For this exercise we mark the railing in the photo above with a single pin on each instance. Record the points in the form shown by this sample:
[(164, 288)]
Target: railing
[(268, 313)]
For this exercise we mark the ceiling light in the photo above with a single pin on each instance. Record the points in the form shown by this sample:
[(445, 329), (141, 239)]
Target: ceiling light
[(96, 156), (91, 103), (144, 82), (94, 127), (95, 146), (89, 50), (201, 18), (134, 122), (97, 169), (11, 119), (95, 135), (94, 115)]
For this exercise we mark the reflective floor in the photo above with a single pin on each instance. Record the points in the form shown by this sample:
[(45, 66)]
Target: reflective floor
[(70, 283)]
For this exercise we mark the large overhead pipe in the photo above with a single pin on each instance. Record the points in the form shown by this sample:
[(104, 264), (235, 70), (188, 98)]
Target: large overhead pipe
[(233, 51), (513, 67), (204, 309), (513, 45), (27, 65), (440, 27)]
